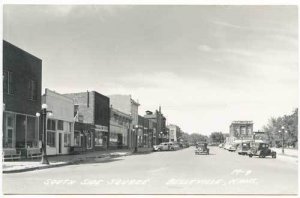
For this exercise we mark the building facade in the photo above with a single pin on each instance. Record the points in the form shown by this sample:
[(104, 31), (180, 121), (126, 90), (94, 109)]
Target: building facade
[(127, 105), (174, 133), (119, 128), (92, 108), (22, 82), (161, 132), (240, 130), (60, 126)]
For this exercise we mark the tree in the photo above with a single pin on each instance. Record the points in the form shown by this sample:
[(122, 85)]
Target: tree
[(217, 137), (290, 122)]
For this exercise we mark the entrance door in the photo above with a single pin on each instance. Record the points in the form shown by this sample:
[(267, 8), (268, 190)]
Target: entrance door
[(59, 142)]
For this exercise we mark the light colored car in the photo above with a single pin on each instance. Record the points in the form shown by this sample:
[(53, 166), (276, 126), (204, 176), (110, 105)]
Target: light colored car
[(233, 147), (221, 145), (155, 147)]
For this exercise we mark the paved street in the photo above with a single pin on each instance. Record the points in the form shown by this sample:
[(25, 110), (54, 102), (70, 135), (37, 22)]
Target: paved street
[(179, 172)]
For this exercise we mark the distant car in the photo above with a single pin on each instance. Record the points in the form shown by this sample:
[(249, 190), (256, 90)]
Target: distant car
[(233, 147), (201, 148), (226, 146), (243, 148), (156, 148), (221, 145), (261, 150), (174, 146)]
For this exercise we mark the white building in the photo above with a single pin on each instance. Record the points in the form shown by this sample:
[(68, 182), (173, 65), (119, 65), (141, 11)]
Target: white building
[(125, 104), (60, 126)]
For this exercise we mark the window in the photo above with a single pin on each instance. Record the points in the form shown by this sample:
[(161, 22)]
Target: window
[(8, 83), (32, 134), (60, 125), (77, 138), (51, 138), (51, 125), (21, 130), (67, 140), (9, 133), (98, 138), (32, 90), (89, 140), (70, 127)]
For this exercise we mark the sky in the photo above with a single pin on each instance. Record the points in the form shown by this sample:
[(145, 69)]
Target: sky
[(205, 65)]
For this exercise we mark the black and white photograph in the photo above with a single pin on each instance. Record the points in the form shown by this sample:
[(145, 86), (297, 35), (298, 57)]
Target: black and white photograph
[(149, 99)]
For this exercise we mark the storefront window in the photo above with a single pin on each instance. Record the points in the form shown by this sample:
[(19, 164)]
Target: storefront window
[(67, 140), (51, 138), (21, 128), (89, 140), (32, 133), (8, 130), (77, 138), (98, 138)]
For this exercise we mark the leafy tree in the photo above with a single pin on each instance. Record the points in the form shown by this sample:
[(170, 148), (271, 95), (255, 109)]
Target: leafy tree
[(217, 137), (290, 122)]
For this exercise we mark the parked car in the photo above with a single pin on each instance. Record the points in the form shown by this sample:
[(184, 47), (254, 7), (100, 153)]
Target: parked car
[(261, 150), (221, 145), (155, 147), (227, 146), (201, 148), (233, 147), (243, 148)]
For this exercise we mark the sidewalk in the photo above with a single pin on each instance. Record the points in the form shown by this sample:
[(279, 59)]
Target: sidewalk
[(287, 152), (60, 160)]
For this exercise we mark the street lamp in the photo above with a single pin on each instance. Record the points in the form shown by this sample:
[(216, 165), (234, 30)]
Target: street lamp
[(283, 132), (161, 136), (44, 114)]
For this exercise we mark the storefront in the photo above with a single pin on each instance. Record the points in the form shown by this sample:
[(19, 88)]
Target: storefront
[(101, 137), (83, 137), (60, 125), (20, 132)]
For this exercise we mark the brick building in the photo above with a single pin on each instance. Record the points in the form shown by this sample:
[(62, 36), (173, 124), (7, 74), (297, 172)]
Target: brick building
[(161, 132), (91, 108), (240, 130), (22, 82)]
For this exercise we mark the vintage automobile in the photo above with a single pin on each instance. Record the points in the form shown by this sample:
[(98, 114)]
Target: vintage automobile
[(201, 148), (261, 150), (233, 147), (243, 148), (166, 146)]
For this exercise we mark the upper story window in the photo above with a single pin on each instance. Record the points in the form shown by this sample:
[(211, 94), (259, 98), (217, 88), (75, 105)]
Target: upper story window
[(51, 125), (32, 90), (8, 82), (60, 125)]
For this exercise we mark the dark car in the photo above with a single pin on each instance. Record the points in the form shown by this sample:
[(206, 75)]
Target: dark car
[(243, 148), (201, 148), (261, 150)]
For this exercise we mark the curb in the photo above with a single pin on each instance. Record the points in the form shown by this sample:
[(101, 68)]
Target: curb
[(62, 164)]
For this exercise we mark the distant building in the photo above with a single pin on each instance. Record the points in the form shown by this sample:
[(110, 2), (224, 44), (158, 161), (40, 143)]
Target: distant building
[(119, 128), (125, 104), (22, 84), (92, 109), (240, 130), (160, 134), (174, 133), (60, 126)]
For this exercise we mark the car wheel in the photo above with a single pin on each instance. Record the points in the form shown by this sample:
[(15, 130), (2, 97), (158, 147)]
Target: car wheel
[(273, 155), (250, 155), (158, 150)]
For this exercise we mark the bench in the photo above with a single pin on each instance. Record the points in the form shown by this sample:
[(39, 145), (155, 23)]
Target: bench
[(33, 153), (11, 154)]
